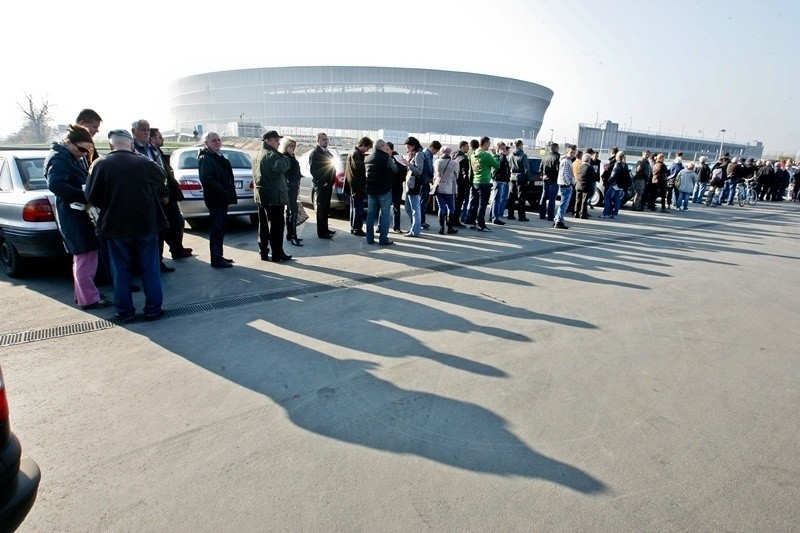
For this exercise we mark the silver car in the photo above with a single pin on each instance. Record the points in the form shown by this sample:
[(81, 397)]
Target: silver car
[(184, 164), (27, 222), (339, 200)]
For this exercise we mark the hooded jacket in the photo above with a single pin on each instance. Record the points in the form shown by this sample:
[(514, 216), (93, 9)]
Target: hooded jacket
[(269, 176)]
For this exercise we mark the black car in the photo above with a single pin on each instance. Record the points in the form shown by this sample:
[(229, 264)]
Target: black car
[(536, 185), (19, 476)]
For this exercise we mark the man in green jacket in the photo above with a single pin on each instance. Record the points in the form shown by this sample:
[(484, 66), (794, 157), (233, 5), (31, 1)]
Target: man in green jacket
[(271, 195), (482, 162)]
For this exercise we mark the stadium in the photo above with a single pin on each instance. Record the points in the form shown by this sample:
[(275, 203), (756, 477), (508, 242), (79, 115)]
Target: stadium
[(349, 101)]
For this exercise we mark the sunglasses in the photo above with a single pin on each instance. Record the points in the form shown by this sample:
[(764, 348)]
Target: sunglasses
[(81, 149)]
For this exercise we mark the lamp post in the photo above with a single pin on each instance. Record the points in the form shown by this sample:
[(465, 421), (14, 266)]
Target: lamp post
[(721, 143), (551, 135)]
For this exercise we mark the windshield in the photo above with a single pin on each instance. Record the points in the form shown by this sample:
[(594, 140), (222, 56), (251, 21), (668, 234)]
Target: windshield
[(32, 173), (237, 159)]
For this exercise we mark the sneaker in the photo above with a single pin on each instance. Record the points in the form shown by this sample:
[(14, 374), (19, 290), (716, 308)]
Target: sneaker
[(409, 234), (485, 229)]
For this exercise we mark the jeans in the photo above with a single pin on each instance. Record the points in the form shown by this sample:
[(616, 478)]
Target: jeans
[(216, 233), (500, 199), (412, 209), (477, 209), (729, 192), (611, 202), (683, 200), (447, 204), (699, 192), (126, 254), (471, 209), (356, 213), (566, 194), (547, 204), (382, 203)]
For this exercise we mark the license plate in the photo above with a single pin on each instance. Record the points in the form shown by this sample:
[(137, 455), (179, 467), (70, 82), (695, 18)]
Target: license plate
[(538, 183), (238, 184)]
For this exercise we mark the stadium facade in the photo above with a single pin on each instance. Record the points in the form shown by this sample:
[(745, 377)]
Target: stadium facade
[(359, 99)]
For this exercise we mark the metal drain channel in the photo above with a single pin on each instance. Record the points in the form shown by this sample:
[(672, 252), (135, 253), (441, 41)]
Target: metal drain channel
[(49, 333)]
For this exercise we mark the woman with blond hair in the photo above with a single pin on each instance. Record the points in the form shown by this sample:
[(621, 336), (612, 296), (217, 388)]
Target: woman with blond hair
[(293, 175), (66, 177)]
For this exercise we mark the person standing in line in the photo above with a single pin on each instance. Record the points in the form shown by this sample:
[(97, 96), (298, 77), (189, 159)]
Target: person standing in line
[(674, 170), (519, 182), (549, 171), (269, 178), (219, 191), (66, 178), (615, 188), (130, 190), (469, 213), (584, 184), (323, 176), (293, 177), (731, 177), (703, 177), (173, 235), (415, 163), (565, 181), (658, 184), (427, 177), (445, 176), (380, 168), (641, 177), (463, 183), (482, 162), (685, 185), (398, 182), (597, 165), (500, 180), (355, 184)]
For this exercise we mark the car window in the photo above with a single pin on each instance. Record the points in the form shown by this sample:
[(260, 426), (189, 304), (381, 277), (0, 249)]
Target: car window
[(5, 177), (237, 159), (32, 173), (188, 160)]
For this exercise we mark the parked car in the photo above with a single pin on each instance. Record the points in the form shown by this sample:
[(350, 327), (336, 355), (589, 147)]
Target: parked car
[(600, 191), (19, 476), (184, 164), (536, 184), (27, 221), (339, 200)]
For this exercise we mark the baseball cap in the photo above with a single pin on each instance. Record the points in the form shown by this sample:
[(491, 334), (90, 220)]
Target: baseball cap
[(271, 134)]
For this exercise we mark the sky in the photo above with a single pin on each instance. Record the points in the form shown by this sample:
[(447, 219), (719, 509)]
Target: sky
[(683, 66)]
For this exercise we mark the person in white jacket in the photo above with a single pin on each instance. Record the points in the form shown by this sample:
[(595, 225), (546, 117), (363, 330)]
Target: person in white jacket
[(685, 182)]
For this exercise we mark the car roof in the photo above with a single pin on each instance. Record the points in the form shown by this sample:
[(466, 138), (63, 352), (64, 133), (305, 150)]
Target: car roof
[(23, 153)]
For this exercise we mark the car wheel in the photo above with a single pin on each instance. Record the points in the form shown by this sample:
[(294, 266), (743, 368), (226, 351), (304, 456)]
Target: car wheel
[(596, 199), (9, 258), (254, 220)]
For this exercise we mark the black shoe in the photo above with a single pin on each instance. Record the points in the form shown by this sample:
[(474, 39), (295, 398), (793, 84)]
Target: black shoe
[(441, 231), (325, 236), (425, 225), (451, 231), (223, 265), (124, 318), (524, 219), (331, 233), (296, 242), (281, 258), (154, 316), (387, 243), (165, 268), (498, 222), (358, 232), (560, 225), (231, 261)]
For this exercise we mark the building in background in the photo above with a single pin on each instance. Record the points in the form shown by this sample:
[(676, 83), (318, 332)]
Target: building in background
[(356, 101), (606, 134)]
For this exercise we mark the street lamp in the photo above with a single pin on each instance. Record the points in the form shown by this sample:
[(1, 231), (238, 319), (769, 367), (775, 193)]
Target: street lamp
[(551, 135), (721, 143)]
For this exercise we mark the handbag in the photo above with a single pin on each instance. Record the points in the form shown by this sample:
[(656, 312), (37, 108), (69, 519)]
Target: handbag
[(302, 216)]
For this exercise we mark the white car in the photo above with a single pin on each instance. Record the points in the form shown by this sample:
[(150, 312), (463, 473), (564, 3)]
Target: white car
[(184, 163)]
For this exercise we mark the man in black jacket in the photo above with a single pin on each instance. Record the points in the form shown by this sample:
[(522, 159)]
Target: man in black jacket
[(550, 165), (463, 183), (355, 184), (323, 172), (219, 191), (127, 189), (173, 236), (380, 170)]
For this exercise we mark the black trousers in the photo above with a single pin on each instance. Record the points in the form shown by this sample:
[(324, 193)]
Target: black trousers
[(322, 207), (462, 196), (517, 198), (291, 214), (173, 235), (216, 233), (270, 230)]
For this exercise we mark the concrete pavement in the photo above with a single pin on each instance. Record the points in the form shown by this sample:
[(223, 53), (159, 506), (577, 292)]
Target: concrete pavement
[(631, 374)]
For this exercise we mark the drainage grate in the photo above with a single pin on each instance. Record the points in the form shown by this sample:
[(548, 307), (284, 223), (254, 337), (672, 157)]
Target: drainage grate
[(43, 334)]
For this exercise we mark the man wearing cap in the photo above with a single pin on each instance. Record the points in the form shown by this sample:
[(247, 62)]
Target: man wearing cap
[(272, 195), (127, 189), (323, 175), (219, 191)]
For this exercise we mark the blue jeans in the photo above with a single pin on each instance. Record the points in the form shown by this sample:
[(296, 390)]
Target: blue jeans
[(699, 192), (683, 200), (611, 202), (126, 253), (412, 209), (547, 204), (566, 194), (477, 206), (382, 203), (424, 194), (500, 199), (356, 213), (729, 191), (447, 204)]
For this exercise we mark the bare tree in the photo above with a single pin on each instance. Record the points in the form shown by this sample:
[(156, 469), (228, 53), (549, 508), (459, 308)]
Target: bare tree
[(36, 126)]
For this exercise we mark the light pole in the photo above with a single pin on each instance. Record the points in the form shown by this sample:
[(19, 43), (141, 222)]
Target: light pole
[(721, 143), (551, 135)]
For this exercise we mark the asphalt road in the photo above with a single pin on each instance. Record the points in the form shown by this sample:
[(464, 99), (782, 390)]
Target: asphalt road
[(636, 374)]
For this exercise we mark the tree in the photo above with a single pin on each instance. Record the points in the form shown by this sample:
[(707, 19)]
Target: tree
[(36, 125)]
